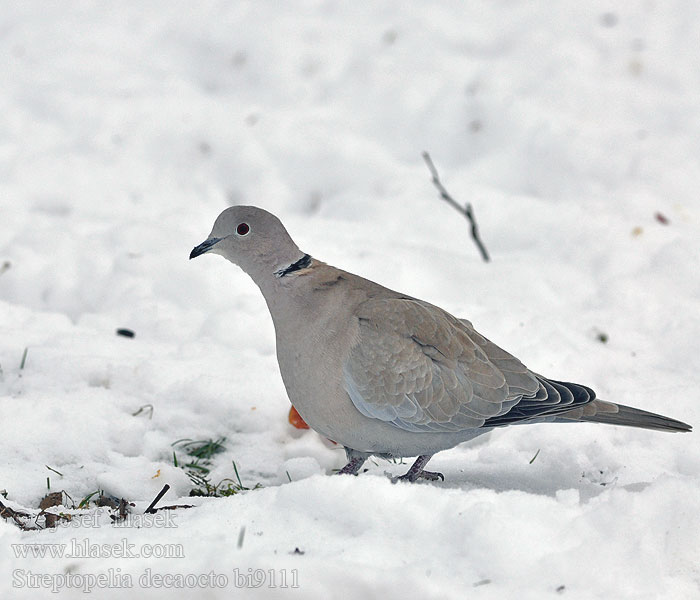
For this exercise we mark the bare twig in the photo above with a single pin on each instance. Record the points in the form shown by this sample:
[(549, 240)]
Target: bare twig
[(151, 508), (24, 359), (7, 512), (173, 507), (467, 211), (145, 408)]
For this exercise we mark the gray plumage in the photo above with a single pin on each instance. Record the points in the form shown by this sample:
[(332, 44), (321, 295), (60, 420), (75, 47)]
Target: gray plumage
[(383, 373)]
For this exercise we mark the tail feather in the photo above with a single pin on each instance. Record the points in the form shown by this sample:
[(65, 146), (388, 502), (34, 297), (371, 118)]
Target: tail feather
[(626, 415)]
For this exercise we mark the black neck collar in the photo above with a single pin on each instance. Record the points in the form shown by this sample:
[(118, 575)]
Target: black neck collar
[(302, 263)]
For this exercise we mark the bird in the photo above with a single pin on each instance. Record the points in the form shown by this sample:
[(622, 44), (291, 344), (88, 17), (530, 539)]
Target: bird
[(383, 373)]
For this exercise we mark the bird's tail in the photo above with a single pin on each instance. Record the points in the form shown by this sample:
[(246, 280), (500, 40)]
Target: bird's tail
[(600, 411)]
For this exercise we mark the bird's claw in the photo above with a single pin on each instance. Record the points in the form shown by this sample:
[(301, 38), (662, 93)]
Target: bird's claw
[(412, 477)]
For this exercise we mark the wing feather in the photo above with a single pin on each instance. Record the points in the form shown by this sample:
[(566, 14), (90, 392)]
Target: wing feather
[(421, 369)]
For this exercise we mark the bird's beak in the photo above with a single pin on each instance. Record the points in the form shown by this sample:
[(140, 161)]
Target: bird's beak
[(204, 247)]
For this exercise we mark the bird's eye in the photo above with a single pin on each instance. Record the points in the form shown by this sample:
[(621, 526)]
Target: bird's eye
[(242, 228)]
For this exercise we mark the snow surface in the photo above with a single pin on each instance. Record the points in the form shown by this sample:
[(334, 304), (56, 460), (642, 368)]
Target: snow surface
[(127, 127)]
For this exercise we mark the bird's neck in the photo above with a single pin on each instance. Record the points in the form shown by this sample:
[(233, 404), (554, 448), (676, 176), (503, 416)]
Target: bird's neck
[(289, 270), (279, 282)]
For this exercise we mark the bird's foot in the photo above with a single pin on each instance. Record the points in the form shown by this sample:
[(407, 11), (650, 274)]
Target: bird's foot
[(354, 465), (428, 475), (416, 472)]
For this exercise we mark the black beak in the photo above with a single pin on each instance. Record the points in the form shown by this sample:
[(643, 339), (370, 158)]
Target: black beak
[(204, 247)]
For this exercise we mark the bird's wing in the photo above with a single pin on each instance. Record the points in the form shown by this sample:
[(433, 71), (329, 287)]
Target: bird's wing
[(551, 399), (421, 369)]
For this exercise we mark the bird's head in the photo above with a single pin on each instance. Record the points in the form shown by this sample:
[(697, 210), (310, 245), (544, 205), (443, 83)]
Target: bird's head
[(251, 238)]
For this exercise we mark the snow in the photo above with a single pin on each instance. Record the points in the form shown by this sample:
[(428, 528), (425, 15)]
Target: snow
[(128, 127)]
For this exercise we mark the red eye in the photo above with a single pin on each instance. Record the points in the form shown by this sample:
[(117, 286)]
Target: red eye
[(242, 228)]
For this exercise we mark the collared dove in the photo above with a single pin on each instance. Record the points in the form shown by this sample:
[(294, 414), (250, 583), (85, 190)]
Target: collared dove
[(386, 374)]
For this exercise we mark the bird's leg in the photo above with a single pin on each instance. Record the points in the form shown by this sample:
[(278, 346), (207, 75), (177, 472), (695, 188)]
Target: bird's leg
[(416, 471), (353, 466), (355, 462)]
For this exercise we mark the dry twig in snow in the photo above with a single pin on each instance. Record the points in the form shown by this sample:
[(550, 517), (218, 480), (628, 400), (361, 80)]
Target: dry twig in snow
[(467, 211)]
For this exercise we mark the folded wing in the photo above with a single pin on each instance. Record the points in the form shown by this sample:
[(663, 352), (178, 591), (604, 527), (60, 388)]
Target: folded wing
[(421, 369)]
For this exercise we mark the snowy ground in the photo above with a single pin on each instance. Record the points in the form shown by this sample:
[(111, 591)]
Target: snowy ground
[(127, 127)]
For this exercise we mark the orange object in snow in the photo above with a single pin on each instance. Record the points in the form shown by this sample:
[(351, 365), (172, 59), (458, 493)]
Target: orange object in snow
[(296, 420)]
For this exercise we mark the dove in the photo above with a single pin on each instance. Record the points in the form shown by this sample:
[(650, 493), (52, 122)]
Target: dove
[(384, 373)]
